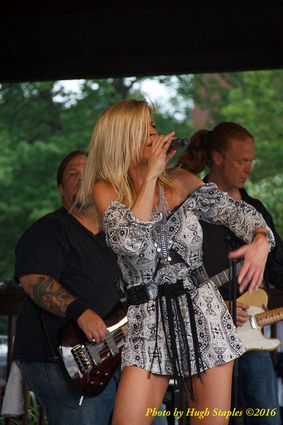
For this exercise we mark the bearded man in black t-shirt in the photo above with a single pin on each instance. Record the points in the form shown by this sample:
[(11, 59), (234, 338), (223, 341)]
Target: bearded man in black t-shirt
[(67, 272)]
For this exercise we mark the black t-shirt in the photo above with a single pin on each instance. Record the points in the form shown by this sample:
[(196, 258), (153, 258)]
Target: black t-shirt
[(219, 240), (59, 246)]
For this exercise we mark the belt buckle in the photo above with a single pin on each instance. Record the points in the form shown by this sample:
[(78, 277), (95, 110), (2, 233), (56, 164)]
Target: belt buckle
[(152, 291)]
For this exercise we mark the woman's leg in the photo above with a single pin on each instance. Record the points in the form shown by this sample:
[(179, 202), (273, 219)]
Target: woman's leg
[(139, 393), (213, 395)]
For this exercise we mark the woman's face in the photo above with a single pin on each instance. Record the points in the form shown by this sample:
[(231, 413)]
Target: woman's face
[(152, 133)]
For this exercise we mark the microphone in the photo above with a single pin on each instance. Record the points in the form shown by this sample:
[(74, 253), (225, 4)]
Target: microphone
[(178, 143)]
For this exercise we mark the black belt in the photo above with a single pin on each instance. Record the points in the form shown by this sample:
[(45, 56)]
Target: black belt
[(139, 295), (199, 276)]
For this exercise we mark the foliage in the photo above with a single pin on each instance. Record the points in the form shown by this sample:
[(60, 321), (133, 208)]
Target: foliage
[(270, 192), (254, 100), (41, 122), (33, 413), (28, 110)]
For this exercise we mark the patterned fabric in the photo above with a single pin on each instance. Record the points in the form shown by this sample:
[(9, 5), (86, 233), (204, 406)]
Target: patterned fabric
[(151, 342)]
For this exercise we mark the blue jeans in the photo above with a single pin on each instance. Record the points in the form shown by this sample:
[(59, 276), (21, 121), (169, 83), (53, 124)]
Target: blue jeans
[(257, 387), (61, 401)]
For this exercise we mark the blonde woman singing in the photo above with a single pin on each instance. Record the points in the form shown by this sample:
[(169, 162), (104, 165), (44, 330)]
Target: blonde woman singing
[(178, 324)]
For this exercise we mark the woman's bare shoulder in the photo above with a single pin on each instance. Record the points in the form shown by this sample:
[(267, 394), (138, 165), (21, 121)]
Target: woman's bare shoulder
[(103, 193), (185, 182)]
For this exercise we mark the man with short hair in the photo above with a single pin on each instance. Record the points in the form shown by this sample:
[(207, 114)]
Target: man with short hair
[(68, 272), (230, 165)]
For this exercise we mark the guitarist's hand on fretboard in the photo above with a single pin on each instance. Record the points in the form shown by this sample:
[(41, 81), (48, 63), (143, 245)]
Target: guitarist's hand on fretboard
[(241, 312), (92, 325)]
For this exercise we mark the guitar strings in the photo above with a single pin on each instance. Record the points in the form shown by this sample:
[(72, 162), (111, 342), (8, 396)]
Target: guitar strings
[(102, 347)]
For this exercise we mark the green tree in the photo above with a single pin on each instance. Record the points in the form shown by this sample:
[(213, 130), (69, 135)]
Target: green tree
[(41, 123), (30, 117), (254, 100), (28, 111)]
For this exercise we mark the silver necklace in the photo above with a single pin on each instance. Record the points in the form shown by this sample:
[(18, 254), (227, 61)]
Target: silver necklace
[(160, 230)]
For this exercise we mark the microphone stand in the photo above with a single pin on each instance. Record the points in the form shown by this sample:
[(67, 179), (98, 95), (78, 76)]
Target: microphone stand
[(233, 243), (233, 309)]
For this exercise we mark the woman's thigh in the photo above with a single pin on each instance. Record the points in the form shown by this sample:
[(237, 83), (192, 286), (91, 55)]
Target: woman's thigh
[(212, 395), (139, 393)]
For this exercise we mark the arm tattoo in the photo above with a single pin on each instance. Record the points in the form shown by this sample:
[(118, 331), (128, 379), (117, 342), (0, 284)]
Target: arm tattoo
[(50, 295)]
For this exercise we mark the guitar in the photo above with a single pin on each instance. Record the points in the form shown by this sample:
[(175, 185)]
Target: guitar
[(250, 333), (90, 365)]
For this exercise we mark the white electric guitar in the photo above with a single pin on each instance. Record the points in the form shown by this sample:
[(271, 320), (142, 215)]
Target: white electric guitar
[(250, 333)]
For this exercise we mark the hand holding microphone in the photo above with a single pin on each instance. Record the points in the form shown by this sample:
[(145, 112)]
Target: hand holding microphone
[(178, 143)]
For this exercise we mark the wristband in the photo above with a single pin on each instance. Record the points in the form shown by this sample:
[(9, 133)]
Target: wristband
[(75, 309)]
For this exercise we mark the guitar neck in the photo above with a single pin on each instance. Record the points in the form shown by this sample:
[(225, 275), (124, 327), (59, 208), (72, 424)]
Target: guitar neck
[(224, 276), (270, 316)]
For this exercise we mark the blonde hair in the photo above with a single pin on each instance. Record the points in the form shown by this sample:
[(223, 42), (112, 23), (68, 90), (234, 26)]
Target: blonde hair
[(198, 154), (116, 143)]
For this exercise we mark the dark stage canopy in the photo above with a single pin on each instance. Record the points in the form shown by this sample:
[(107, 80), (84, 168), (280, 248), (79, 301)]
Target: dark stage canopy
[(114, 38)]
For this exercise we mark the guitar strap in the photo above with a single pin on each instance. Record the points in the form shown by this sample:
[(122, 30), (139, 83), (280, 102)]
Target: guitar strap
[(55, 356)]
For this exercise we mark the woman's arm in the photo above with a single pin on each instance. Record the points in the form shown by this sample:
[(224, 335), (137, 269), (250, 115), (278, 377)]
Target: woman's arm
[(157, 160), (255, 256), (214, 206)]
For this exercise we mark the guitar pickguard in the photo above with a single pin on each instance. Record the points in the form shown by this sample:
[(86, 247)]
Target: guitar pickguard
[(250, 333)]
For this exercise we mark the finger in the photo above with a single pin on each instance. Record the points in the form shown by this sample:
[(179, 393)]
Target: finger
[(170, 155), (242, 274), (165, 138), (256, 281), (241, 312), (100, 336), (252, 280), (246, 270), (160, 146), (243, 286), (101, 331), (170, 135), (242, 317), (156, 142), (95, 335), (166, 143), (245, 278), (241, 321), (242, 306), (90, 337), (237, 253)]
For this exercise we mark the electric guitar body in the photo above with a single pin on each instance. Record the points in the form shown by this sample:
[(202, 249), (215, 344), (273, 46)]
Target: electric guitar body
[(89, 364), (250, 333)]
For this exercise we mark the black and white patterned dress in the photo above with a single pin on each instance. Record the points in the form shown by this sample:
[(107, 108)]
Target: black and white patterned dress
[(178, 333)]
